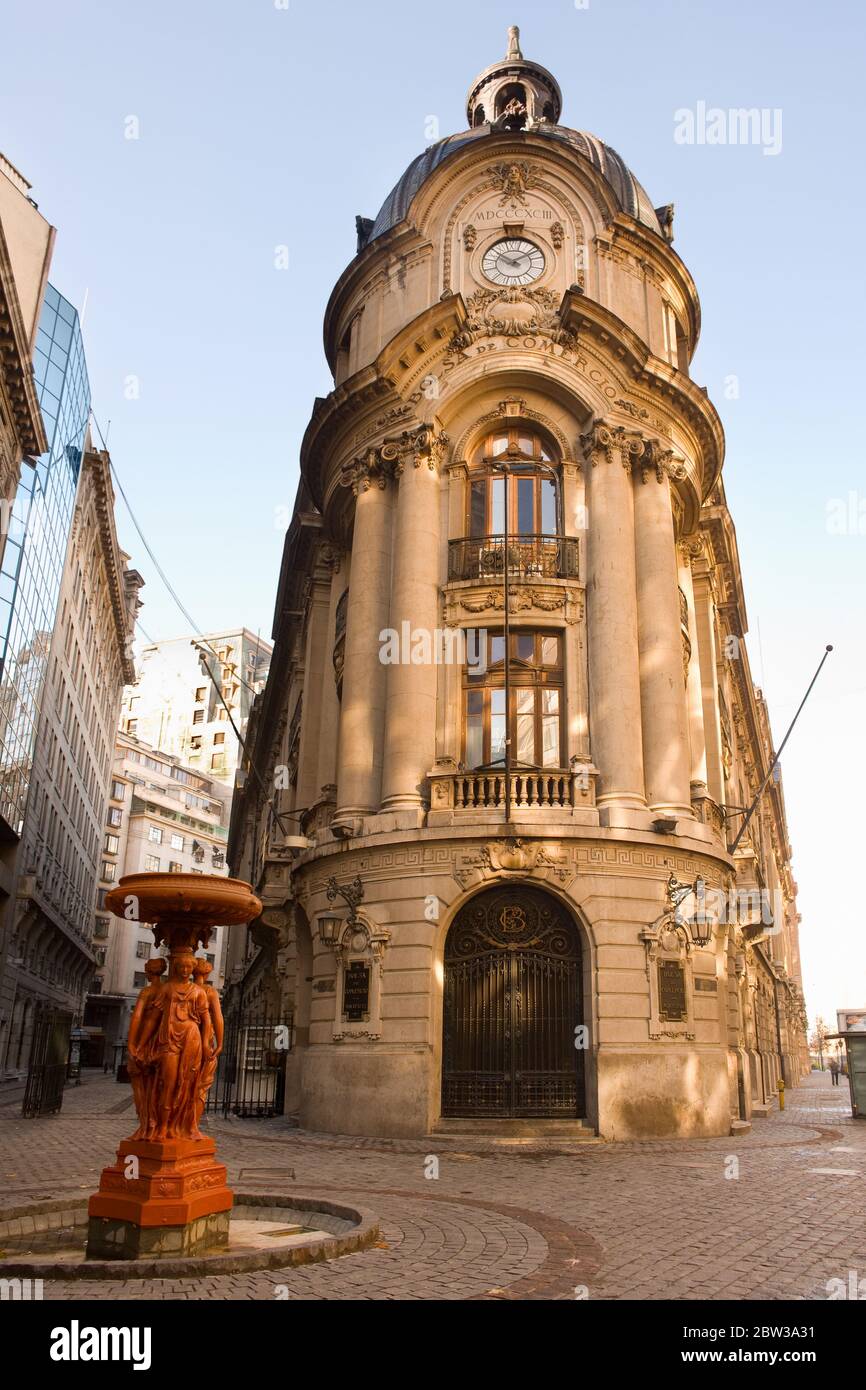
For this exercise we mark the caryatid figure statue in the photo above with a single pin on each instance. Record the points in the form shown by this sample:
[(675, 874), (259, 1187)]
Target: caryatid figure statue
[(180, 1028), (142, 1063), (201, 970)]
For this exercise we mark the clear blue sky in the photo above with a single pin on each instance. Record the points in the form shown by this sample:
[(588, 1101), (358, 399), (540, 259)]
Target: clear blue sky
[(262, 126)]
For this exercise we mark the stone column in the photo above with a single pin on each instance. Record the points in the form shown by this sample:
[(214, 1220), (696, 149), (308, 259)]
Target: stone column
[(576, 674), (660, 644), (707, 655), (614, 699), (362, 716), (317, 660), (410, 711), (694, 696), (329, 729)]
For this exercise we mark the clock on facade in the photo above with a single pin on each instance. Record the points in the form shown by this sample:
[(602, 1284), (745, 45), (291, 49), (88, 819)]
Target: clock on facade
[(513, 261)]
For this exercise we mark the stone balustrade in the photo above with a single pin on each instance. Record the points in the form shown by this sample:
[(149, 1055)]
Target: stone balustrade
[(473, 792)]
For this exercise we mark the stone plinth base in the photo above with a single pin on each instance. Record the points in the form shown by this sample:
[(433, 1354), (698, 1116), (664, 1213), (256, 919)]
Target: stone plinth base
[(171, 1188), (110, 1239)]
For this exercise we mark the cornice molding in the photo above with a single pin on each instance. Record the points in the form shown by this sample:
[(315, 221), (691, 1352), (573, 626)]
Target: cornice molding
[(96, 466), (15, 363)]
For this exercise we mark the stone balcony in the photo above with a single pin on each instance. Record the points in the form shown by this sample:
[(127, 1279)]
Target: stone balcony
[(547, 795)]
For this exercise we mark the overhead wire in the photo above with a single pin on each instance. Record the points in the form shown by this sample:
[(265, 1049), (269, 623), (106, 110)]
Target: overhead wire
[(199, 640)]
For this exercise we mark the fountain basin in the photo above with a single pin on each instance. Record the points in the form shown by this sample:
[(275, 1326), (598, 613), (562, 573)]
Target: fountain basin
[(46, 1240)]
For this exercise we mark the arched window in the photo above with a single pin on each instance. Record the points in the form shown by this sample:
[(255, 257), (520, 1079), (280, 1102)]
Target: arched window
[(533, 494), (513, 461)]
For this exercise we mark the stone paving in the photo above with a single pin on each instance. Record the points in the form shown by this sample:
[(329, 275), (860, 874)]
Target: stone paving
[(773, 1214)]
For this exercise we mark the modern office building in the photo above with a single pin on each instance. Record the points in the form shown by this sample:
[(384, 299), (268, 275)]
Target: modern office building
[(26, 244), (30, 580), (502, 881), (181, 707), (161, 817), (83, 667)]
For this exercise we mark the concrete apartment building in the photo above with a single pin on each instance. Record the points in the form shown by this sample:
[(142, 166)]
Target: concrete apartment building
[(506, 891), (175, 706), (161, 817)]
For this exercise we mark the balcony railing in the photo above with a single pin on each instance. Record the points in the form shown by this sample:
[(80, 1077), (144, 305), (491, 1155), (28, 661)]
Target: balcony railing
[(527, 789), (530, 788), (529, 557)]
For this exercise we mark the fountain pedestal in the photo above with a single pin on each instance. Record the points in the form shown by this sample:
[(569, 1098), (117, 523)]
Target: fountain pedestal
[(166, 1195), (178, 1205)]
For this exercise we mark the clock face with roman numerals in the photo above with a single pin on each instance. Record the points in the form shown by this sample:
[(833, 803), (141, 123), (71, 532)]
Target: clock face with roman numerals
[(513, 261)]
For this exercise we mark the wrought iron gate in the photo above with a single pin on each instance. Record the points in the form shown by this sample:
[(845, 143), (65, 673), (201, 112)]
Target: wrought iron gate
[(46, 1070), (512, 1003), (251, 1072)]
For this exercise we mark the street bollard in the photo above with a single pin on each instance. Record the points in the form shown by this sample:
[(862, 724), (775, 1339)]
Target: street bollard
[(781, 1089)]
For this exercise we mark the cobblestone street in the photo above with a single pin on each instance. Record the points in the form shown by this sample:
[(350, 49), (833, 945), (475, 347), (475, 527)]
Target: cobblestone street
[(653, 1220)]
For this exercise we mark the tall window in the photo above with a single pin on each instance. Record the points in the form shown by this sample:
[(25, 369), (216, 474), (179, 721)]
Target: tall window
[(533, 503), (536, 696)]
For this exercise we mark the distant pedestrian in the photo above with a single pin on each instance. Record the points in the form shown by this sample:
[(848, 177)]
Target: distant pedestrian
[(834, 1070)]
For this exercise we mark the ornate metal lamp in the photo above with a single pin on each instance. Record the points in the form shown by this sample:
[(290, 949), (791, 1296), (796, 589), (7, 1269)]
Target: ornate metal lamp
[(330, 925), (700, 923)]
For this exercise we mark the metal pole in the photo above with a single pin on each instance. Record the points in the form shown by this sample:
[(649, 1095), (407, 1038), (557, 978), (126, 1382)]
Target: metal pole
[(760, 792), (506, 623)]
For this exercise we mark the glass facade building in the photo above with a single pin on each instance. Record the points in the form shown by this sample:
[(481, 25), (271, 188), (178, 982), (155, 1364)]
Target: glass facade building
[(35, 551)]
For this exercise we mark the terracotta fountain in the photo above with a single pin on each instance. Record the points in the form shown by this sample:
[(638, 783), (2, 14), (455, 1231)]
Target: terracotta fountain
[(167, 1194)]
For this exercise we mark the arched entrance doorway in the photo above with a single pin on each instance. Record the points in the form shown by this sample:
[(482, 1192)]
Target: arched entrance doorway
[(513, 999)]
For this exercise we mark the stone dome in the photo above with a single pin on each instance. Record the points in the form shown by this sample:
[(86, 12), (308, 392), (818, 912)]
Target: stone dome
[(630, 195)]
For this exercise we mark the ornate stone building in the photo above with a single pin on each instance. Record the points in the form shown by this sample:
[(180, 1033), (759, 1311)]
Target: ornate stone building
[(510, 730)]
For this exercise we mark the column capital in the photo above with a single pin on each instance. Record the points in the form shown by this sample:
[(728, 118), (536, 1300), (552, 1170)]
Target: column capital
[(362, 472), (416, 447), (609, 440), (691, 548), (660, 459)]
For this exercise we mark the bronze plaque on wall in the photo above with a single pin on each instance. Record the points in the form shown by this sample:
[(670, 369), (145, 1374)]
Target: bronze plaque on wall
[(356, 991), (672, 991)]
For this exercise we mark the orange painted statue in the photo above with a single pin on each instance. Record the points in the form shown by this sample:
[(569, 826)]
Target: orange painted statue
[(142, 1064), (202, 969), (179, 1030)]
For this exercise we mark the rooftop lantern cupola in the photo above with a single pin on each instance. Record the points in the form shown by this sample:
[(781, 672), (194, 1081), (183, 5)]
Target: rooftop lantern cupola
[(514, 94)]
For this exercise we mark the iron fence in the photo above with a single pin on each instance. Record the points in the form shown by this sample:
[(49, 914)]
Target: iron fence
[(251, 1072), (529, 557), (46, 1071)]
